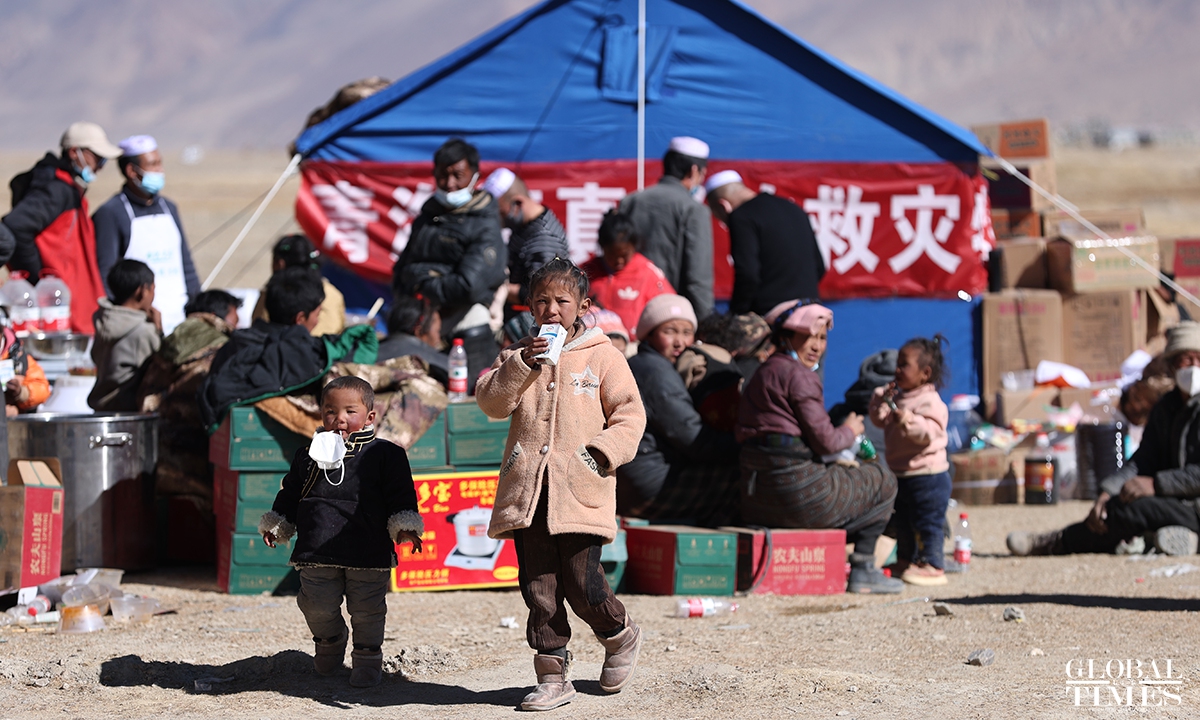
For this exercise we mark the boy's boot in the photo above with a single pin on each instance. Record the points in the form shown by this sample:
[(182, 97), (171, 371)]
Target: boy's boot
[(366, 667), (866, 578), (620, 656), (553, 689), (329, 656)]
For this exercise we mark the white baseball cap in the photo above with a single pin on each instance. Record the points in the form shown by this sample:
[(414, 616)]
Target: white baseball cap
[(89, 136)]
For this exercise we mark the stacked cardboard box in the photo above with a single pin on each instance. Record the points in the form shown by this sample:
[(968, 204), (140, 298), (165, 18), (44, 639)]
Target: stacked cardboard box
[(791, 562), (678, 560), (31, 523), (474, 439)]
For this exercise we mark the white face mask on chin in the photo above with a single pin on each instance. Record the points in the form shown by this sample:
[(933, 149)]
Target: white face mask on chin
[(327, 450), (1187, 379)]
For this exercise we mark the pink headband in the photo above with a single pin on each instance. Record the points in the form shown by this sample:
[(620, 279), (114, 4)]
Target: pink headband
[(807, 319)]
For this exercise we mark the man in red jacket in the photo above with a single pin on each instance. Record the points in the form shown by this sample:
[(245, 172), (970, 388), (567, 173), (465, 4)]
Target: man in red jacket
[(49, 226)]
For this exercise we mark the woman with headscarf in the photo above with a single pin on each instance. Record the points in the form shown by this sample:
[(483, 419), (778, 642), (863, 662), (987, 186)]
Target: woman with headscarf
[(785, 432)]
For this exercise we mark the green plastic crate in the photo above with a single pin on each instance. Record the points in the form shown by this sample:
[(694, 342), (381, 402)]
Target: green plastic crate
[(265, 453), (466, 417), (258, 488), (478, 449), (679, 560), (430, 449), (250, 422), (706, 579), (247, 515), (614, 572), (249, 549), (255, 579)]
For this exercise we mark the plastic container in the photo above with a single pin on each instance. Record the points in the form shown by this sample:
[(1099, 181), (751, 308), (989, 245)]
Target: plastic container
[(54, 304), (458, 372), (22, 302), (962, 423), (703, 607), (95, 594), (80, 619), (1041, 476), (962, 543), (105, 576), (54, 589), (134, 608)]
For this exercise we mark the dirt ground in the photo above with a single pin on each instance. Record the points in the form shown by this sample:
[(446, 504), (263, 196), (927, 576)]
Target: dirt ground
[(777, 657)]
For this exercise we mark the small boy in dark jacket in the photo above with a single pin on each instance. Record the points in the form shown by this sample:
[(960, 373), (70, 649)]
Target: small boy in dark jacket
[(349, 499)]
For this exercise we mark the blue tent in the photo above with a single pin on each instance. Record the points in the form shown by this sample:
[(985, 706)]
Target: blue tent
[(558, 83)]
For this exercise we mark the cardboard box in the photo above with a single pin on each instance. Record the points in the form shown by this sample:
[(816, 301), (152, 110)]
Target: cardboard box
[(1020, 329), (678, 560), (1116, 223), (1029, 405), (1017, 263), (801, 562), (269, 447), (249, 549), (478, 449), (984, 477), (466, 417), (1161, 316), (1018, 139), (31, 523), (1100, 330), (430, 449), (1098, 265), (1008, 191), (1181, 257)]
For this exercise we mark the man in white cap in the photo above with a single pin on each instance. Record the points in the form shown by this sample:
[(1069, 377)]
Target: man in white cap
[(138, 223), (537, 235), (676, 229), (775, 253), (49, 227)]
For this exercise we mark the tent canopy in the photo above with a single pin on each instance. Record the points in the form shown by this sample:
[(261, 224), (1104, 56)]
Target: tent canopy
[(558, 83)]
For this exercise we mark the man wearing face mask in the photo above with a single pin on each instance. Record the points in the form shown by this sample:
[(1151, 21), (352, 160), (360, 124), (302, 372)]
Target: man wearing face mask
[(138, 223), (1158, 490), (537, 235), (455, 255), (674, 224), (49, 230)]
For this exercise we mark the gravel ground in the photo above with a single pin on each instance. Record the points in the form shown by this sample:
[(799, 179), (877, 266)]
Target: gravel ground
[(777, 657)]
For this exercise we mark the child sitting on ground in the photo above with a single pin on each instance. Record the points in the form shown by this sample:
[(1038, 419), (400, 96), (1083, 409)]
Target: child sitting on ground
[(622, 279), (349, 499), (574, 422), (913, 418), (128, 333)]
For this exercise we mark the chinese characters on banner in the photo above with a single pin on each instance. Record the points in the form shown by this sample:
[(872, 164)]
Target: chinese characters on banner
[(883, 228)]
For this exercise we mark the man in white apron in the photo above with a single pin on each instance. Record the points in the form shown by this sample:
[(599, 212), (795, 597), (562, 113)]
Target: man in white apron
[(140, 224)]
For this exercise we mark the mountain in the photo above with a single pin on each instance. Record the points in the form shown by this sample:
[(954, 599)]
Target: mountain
[(245, 74)]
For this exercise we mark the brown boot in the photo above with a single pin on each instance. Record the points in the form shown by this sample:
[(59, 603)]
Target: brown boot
[(367, 668), (553, 689), (620, 657), (329, 657)]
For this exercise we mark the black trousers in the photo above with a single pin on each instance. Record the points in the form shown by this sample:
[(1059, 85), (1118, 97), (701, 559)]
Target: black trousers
[(1126, 520)]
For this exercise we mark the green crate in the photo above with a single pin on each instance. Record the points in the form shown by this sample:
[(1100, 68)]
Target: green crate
[(478, 449), (705, 579), (258, 488), (256, 579), (247, 515), (264, 453), (430, 449), (616, 550), (706, 548), (249, 549), (439, 470), (250, 422), (466, 417), (614, 572)]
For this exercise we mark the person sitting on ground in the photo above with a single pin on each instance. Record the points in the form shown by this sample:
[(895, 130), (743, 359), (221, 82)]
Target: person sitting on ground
[(537, 235), (348, 511), (415, 328), (623, 280), (913, 418), (1158, 489), (28, 387), (785, 432), (684, 469), (299, 251), (128, 333)]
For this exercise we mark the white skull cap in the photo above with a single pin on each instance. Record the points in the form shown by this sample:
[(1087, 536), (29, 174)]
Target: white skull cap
[(721, 179), (499, 181), (690, 146)]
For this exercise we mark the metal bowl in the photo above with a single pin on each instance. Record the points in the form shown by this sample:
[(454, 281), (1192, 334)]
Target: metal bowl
[(56, 345)]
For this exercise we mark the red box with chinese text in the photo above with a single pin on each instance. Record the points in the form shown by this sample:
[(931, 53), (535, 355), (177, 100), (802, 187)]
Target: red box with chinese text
[(801, 562), (31, 523)]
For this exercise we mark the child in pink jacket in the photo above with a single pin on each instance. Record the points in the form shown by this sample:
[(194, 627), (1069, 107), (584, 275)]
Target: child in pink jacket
[(913, 418), (574, 422)]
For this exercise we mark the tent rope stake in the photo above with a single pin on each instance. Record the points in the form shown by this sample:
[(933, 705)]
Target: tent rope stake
[(1070, 210)]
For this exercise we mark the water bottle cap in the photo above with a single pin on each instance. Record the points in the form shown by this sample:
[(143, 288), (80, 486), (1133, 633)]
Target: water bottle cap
[(458, 342), (962, 516), (18, 274)]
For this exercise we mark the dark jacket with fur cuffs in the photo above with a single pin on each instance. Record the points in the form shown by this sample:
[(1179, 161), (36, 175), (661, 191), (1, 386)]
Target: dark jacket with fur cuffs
[(348, 519)]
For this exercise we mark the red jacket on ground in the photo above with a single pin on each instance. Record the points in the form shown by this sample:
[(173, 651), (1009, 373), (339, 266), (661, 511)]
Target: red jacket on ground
[(627, 291)]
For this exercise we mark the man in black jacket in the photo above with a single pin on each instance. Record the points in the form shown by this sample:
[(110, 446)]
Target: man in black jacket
[(775, 253), (537, 235), (455, 255)]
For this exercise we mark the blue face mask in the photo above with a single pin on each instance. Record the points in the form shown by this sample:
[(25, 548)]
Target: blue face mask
[(460, 197), (86, 175), (152, 182)]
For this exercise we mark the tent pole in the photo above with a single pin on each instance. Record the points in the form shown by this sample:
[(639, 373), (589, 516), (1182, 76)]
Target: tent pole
[(287, 173), (641, 102)]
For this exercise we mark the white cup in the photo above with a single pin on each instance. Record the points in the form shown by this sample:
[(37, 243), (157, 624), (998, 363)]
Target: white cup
[(557, 335)]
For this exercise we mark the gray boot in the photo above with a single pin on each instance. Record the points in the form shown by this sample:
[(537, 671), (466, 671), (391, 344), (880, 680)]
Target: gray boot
[(329, 657), (553, 689), (1024, 544), (1175, 540), (367, 668), (620, 657), (866, 578)]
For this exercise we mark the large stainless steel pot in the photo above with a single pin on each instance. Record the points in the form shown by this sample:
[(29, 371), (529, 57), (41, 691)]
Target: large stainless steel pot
[(108, 478)]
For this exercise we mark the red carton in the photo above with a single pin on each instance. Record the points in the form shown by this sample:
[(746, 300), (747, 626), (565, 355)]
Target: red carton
[(31, 523), (801, 562), (680, 560)]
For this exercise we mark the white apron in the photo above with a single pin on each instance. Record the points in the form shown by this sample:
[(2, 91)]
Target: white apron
[(155, 240)]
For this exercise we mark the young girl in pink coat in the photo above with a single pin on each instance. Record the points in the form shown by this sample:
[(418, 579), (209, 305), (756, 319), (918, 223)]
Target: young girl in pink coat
[(913, 418)]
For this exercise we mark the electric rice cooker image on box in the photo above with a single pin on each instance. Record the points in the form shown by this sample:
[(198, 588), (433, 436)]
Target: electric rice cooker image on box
[(473, 549)]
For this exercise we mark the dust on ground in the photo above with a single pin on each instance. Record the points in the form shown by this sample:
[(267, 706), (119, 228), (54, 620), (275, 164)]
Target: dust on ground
[(836, 656)]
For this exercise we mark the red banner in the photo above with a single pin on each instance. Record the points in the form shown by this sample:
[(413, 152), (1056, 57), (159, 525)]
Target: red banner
[(884, 228)]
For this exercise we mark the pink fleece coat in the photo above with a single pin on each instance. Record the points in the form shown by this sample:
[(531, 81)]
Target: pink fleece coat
[(589, 401), (915, 432)]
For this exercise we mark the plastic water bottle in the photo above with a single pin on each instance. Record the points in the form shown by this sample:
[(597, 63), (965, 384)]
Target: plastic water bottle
[(703, 607), (962, 543), (40, 604), (22, 302), (1041, 474), (458, 372), (54, 304)]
